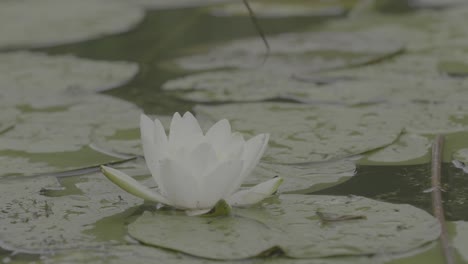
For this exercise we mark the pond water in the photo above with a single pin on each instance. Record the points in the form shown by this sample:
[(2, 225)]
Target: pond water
[(352, 97)]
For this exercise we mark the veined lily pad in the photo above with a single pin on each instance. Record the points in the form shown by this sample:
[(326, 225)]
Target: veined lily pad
[(65, 129), (53, 22), (293, 52), (32, 221), (38, 80), (422, 31), (436, 3), (292, 224), (165, 4), (302, 133), (408, 149), (274, 9), (461, 239), (304, 177), (59, 139), (140, 254), (256, 85)]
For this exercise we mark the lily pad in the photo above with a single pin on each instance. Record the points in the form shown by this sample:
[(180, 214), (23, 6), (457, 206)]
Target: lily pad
[(169, 4), (294, 52), (305, 177), (54, 22), (302, 133), (461, 239), (35, 221), (37, 80), (421, 31), (59, 139), (257, 85), (290, 223), (280, 9), (408, 149), (139, 254)]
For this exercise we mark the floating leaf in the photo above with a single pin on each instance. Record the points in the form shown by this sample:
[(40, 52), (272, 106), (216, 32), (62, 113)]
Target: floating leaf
[(53, 22), (143, 254), (302, 133), (461, 239), (281, 9), (293, 52), (290, 224), (36, 80), (59, 138), (304, 177), (256, 85), (408, 149), (39, 216), (166, 4)]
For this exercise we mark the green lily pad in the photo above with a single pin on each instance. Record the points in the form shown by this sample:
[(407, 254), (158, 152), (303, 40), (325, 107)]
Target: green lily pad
[(257, 85), (303, 133), (436, 3), (279, 9), (167, 4), (294, 52), (305, 177), (408, 149), (143, 254), (36, 80), (39, 215), (461, 239), (421, 31), (53, 22), (60, 139), (290, 223)]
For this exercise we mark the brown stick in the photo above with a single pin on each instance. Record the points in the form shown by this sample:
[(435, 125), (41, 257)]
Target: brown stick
[(437, 205)]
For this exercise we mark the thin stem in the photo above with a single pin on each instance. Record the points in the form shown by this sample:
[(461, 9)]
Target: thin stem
[(258, 28), (437, 205)]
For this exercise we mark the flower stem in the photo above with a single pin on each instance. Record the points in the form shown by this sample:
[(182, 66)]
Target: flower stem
[(437, 205)]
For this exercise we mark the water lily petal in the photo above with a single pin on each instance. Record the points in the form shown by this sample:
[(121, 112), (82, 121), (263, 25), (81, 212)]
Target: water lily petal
[(219, 181), (147, 140), (184, 131), (253, 151), (154, 142), (201, 160), (256, 193), (219, 134), (181, 187), (132, 186)]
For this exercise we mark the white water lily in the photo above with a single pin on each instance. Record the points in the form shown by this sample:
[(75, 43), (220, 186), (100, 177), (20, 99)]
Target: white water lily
[(193, 170)]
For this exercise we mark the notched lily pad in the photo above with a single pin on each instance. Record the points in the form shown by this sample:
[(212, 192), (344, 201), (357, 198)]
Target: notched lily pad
[(280, 9), (408, 149), (304, 177), (139, 254), (53, 22), (297, 52), (302, 133), (40, 221), (40, 81), (169, 4), (290, 223), (258, 85), (461, 239)]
